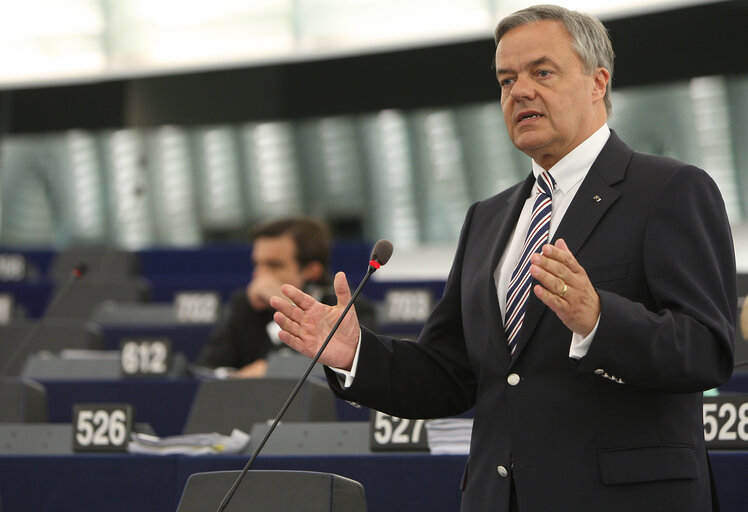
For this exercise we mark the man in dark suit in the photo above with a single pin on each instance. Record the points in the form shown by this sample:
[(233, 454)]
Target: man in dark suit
[(585, 357)]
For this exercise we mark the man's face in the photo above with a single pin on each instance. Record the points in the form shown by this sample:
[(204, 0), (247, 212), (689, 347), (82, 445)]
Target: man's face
[(275, 257), (550, 106)]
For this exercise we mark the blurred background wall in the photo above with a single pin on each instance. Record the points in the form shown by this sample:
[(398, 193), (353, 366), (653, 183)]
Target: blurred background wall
[(165, 123)]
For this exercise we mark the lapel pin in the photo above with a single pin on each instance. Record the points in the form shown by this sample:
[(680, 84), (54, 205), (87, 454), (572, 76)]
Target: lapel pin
[(597, 198)]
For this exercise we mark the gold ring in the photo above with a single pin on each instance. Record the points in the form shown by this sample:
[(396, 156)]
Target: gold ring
[(563, 292)]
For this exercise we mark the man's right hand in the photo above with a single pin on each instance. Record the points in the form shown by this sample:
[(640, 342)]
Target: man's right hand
[(260, 289), (305, 324)]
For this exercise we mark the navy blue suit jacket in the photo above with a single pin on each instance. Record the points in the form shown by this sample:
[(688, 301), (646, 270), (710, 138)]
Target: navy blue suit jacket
[(621, 429)]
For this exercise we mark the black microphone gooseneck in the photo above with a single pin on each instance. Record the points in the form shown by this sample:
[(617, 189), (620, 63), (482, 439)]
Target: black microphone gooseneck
[(77, 272), (380, 255)]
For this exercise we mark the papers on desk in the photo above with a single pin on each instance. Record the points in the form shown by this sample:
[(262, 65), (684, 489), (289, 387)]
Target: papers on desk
[(189, 444), (449, 436)]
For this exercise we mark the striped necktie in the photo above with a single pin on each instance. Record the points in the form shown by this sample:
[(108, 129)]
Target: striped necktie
[(537, 236)]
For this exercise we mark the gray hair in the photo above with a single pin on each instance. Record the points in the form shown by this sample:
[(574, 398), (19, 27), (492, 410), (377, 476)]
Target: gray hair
[(590, 39)]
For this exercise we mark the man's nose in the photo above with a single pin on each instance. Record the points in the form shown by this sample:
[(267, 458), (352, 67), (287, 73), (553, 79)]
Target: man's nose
[(523, 88)]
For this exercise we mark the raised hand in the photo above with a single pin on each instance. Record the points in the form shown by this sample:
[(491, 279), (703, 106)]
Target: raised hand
[(306, 322)]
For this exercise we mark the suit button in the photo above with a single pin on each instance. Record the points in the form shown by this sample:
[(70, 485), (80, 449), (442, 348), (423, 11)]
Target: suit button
[(513, 379), (502, 471)]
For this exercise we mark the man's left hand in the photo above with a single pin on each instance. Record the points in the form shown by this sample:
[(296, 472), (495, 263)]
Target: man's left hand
[(565, 288)]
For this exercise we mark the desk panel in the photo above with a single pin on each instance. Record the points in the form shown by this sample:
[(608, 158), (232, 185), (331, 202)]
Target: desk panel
[(186, 338), (412, 482), (738, 383), (144, 483), (163, 403), (77, 483)]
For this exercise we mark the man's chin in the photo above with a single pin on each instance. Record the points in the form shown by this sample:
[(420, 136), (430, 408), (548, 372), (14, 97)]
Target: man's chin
[(530, 142)]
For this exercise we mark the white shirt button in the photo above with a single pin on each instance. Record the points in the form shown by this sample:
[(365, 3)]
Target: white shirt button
[(513, 379), (502, 471)]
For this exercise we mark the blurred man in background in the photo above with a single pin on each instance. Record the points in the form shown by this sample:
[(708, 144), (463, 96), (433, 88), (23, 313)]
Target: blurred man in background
[(292, 251)]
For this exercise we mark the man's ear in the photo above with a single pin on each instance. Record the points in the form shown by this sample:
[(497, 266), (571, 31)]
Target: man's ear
[(601, 78), (313, 271)]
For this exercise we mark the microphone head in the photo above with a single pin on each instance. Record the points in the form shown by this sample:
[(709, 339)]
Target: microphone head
[(382, 251), (80, 269)]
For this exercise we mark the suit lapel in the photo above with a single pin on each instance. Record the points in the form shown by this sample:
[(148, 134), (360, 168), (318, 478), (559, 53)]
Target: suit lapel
[(594, 197), (503, 222)]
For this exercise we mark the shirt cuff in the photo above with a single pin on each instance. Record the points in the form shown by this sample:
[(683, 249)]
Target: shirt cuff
[(345, 377), (580, 345)]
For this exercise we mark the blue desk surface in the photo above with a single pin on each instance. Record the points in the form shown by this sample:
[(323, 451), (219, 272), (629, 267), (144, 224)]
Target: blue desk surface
[(126, 483)]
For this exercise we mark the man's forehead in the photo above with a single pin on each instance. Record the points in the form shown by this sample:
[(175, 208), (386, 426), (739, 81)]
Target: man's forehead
[(284, 243)]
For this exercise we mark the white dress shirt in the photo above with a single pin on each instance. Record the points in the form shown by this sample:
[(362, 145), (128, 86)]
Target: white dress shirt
[(569, 172)]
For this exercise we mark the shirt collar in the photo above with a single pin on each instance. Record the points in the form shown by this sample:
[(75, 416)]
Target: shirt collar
[(574, 166)]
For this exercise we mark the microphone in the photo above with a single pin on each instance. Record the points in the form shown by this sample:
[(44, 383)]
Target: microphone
[(380, 255), (75, 275)]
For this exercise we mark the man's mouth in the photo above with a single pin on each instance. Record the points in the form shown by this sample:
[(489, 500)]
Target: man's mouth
[(524, 116)]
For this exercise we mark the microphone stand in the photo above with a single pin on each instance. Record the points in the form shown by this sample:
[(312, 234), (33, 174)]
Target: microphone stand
[(75, 275), (373, 266)]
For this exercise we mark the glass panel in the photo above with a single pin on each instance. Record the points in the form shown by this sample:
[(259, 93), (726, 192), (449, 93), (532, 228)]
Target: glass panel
[(76, 174), (387, 153), (331, 160), (219, 177), (709, 100), (441, 168), (25, 193), (272, 175), (171, 179), (127, 188), (493, 163)]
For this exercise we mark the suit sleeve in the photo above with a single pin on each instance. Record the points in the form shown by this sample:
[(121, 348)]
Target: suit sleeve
[(428, 378), (685, 343)]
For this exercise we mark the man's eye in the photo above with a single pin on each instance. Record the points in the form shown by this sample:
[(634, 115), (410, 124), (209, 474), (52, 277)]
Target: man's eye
[(505, 82), (544, 74)]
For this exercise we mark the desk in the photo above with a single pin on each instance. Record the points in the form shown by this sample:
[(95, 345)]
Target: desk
[(163, 403), (412, 482), (185, 338), (738, 383)]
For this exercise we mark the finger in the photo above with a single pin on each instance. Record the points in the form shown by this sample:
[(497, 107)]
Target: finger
[(342, 290), (287, 309), (550, 299), (561, 253), (548, 280), (292, 341), (284, 318), (550, 265), (301, 299)]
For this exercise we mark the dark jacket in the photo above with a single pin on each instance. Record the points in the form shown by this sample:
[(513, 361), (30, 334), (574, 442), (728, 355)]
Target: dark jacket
[(621, 429)]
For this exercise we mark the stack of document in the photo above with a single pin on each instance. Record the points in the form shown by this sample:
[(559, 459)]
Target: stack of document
[(189, 444), (449, 435)]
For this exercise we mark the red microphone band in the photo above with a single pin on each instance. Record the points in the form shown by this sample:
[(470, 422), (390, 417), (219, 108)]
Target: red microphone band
[(375, 264)]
